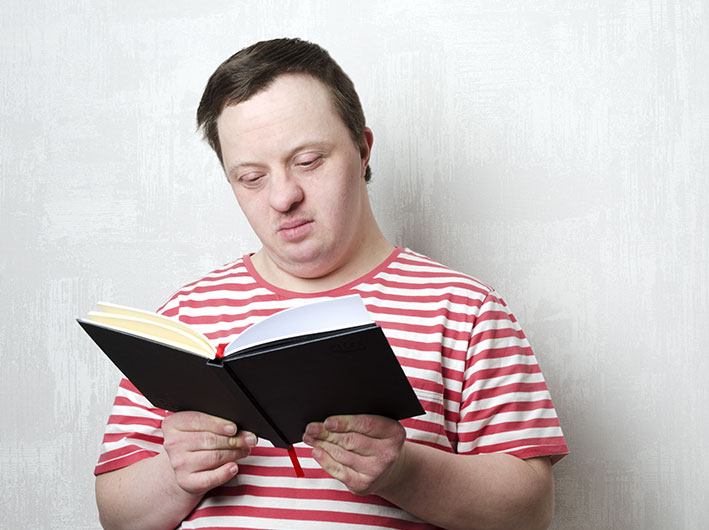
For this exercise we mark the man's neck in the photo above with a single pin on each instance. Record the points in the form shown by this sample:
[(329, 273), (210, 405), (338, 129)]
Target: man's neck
[(374, 251)]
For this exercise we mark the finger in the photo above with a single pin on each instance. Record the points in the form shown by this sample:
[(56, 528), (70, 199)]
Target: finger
[(354, 442), (199, 421), (354, 481), (188, 456), (367, 424), (204, 481), (333, 466), (359, 458), (197, 451), (208, 441), (247, 438), (345, 430), (197, 461)]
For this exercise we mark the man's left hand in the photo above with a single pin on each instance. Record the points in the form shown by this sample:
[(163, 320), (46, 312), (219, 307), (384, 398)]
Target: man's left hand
[(364, 452)]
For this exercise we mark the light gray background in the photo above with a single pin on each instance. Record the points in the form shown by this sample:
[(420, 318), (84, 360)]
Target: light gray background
[(556, 150)]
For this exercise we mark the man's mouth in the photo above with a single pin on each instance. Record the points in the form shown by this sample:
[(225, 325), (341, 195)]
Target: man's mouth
[(295, 229)]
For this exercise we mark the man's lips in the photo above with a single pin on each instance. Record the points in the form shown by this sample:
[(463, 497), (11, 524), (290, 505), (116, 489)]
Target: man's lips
[(288, 225), (295, 229)]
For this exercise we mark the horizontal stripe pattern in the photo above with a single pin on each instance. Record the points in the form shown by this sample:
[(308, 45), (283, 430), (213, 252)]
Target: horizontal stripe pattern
[(460, 346)]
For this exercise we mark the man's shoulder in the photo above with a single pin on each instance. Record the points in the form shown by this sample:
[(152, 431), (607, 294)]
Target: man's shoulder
[(230, 271), (428, 272), (233, 276)]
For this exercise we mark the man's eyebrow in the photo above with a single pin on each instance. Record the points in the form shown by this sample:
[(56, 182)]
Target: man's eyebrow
[(234, 168), (239, 165)]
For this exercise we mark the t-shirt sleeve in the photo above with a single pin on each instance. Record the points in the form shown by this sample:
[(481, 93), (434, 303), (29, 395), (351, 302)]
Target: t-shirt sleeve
[(133, 431), (506, 406), (134, 428)]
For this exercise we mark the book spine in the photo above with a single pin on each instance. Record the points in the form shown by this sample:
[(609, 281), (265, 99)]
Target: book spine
[(225, 368)]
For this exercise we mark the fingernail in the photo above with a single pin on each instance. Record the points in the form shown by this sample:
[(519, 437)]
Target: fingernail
[(251, 440), (330, 424), (230, 429)]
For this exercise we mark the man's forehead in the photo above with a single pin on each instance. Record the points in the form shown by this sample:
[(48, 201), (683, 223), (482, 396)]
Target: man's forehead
[(285, 88), (289, 100)]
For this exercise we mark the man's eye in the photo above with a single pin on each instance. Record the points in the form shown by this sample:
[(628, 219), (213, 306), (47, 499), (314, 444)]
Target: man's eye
[(309, 162), (251, 179)]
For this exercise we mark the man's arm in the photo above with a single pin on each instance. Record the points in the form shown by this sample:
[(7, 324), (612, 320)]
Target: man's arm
[(369, 454), (158, 493)]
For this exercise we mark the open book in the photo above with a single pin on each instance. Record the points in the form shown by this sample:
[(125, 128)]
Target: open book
[(299, 365)]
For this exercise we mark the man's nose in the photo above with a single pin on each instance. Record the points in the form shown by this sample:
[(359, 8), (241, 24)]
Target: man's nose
[(285, 192)]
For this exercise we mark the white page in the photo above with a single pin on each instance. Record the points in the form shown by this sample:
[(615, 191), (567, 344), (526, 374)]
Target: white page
[(316, 317)]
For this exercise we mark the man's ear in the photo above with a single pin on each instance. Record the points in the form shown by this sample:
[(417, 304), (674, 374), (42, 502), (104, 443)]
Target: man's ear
[(365, 147)]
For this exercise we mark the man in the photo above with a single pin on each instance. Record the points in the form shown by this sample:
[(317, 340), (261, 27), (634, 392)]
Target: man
[(287, 125)]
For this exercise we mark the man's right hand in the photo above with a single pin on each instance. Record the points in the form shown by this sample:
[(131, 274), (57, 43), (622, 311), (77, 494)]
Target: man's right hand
[(203, 449)]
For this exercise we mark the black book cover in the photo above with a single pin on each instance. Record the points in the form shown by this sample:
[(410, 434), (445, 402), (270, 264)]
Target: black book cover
[(274, 389)]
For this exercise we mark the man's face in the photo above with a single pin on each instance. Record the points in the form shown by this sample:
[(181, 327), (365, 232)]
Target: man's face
[(298, 176)]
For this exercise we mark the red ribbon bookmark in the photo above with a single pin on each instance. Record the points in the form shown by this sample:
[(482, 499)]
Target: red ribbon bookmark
[(291, 450), (294, 460), (220, 350)]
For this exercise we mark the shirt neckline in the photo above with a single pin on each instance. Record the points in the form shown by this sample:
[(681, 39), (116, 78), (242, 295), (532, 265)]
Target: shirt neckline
[(337, 291)]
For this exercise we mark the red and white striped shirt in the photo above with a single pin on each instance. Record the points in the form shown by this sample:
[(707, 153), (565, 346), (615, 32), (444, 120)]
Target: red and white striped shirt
[(460, 347)]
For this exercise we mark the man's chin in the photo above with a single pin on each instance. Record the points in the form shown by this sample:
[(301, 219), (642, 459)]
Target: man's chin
[(307, 269), (305, 264)]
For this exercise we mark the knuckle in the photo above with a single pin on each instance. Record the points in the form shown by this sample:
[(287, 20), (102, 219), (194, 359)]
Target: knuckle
[(172, 446), (214, 459), (178, 461), (191, 419), (181, 420), (167, 422), (208, 440), (169, 443), (366, 423), (337, 470), (349, 441), (339, 453)]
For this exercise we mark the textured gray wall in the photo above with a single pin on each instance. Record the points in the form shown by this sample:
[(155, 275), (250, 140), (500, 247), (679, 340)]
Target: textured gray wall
[(557, 150)]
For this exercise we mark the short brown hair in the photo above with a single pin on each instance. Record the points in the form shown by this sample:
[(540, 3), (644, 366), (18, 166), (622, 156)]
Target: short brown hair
[(254, 68)]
